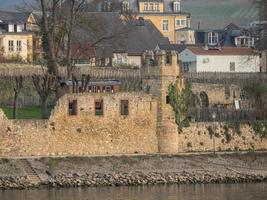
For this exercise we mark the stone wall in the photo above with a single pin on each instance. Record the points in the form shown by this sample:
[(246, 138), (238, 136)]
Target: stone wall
[(217, 93), (85, 133), (197, 137)]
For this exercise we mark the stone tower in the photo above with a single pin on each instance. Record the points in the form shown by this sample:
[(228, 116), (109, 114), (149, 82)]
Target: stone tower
[(158, 72)]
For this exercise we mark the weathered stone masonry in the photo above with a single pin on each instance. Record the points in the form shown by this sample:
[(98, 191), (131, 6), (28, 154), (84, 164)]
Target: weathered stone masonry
[(149, 126), (85, 133)]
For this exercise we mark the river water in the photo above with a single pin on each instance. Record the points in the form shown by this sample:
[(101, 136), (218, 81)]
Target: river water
[(257, 191)]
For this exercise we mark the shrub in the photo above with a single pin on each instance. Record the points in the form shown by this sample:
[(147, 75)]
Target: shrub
[(260, 127)]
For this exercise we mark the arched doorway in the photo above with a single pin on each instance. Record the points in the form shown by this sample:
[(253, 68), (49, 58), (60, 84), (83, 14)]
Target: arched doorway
[(204, 99)]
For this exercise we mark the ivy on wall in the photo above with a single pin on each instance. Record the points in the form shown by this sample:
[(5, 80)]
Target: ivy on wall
[(260, 127), (179, 100)]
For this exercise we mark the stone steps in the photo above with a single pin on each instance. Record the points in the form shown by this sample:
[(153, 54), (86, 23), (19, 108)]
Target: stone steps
[(29, 171)]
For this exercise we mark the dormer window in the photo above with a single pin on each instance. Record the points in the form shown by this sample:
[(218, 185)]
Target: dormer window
[(213, 38), (11, 28), (151, 7), (20, 28), (125, 6), (176, 6), (244, 40)]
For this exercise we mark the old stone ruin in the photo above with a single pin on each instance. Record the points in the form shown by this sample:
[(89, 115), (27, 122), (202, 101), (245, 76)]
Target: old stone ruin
[(114, 122)]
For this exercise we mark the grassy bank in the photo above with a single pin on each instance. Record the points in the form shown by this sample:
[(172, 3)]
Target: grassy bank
[(31, 112)]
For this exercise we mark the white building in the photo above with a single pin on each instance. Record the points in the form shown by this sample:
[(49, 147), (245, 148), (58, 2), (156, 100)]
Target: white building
[(224, 59)]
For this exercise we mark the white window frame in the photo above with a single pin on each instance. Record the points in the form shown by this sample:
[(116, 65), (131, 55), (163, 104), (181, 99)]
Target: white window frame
[(165, 25), (176, 6), (10, 45), (19, 45), (20, 28), (11, 28), (183, 22), (157, 7), (145, 6), (213, 38), (151, 7), (178, 22)]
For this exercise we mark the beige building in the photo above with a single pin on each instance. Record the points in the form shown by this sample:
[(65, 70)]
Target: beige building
[(18, 39)]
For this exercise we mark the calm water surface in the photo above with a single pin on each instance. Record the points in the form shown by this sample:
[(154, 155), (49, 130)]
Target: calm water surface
[(172, 192)]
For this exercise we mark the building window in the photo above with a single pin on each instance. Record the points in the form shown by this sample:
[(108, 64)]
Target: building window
[(108, 88), (186, 66), (168, 100), (213, 38), (183, 22), (176, 6), (124, 107), (232, 66), (151, 7), (178, 22), (19, 47), (99, 107), (73, 108), (20, 28), (10, 27), (244, 41), (165, 25), (157, 7), (95, 89), (10, 45), (146, 7), (120, 59)]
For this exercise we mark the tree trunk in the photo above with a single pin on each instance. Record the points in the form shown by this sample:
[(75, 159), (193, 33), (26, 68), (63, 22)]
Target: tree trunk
[(15, 105), (69, 43), (52, 63), (44, 108)]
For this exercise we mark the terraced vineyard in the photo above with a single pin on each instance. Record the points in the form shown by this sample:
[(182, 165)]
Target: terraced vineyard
[(219, 13)]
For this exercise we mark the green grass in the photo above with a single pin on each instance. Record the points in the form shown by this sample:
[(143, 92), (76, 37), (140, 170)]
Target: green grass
[(23, 113)]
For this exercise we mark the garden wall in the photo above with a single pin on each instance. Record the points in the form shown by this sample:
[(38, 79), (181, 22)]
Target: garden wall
[(228, 137)]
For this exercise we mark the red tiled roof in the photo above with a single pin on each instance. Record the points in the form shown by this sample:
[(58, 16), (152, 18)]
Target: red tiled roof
[(82, 51), (222, 51)]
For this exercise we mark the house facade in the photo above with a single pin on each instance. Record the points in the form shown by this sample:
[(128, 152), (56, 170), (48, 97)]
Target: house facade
[(167, 16), (229, 36), (125, 48), (185, 36), (225, 59), (18, 39)]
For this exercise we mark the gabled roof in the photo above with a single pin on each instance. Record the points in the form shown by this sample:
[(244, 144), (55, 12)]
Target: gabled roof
[(82, 51), (14, 17), (133, 38), (223, 51), (172, 47), (212, 14)]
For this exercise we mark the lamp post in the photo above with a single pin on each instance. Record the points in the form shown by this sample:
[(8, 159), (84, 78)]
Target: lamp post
[(213, 132)]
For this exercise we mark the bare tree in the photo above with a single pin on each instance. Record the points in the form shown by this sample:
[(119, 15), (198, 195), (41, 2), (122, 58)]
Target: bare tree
[(17, 90), (45, 86), (57, 24)]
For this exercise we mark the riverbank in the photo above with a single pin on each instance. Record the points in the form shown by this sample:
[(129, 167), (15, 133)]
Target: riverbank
[(132, 170)]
